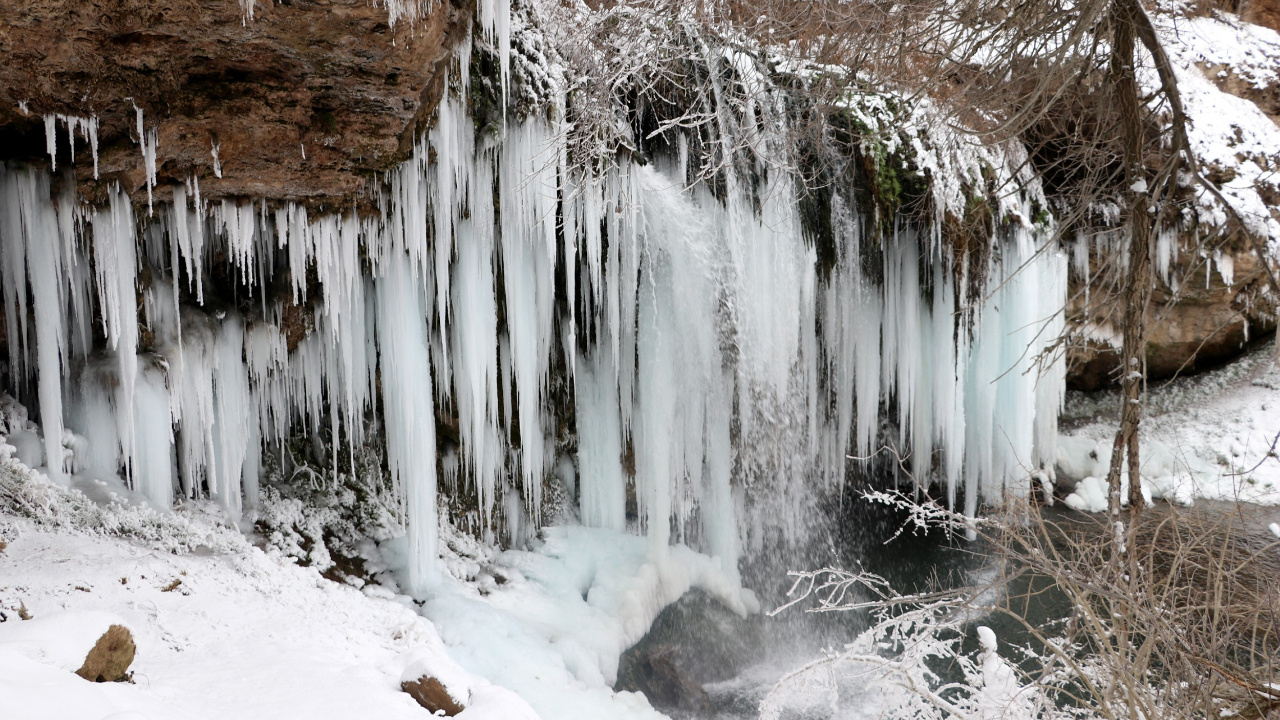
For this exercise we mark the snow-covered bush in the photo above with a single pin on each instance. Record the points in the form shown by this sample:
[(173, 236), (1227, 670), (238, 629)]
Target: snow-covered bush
[(30, 495), (913, 662), (328, 506)]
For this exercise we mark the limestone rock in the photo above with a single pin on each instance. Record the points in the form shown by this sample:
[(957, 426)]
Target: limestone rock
[(110, 657)]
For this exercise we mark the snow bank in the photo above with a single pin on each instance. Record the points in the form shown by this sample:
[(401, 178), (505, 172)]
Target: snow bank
[(1211, 436), (1229, 134), (60, 639), (224, 629), (1090, 495), (239, 635)]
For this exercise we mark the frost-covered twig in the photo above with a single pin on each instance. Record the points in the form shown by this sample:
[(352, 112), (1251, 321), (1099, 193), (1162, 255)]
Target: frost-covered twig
[(895, 657), (838, 590), (925, 516)]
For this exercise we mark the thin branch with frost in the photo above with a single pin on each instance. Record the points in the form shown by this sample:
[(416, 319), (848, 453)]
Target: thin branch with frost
[(838, 590), (894, 658), (924, 516), (1269, 454)]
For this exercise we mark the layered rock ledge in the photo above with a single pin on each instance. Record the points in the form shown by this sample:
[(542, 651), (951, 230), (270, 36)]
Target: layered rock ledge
[(302, 102)]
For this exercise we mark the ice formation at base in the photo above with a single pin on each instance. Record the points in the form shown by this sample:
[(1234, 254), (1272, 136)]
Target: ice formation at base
[(714, 363)]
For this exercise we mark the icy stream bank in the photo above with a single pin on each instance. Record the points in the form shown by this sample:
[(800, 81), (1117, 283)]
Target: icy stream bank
[(1211, 436)]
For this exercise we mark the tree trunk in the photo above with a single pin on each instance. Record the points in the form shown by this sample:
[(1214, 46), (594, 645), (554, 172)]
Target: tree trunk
[(1137, 286)]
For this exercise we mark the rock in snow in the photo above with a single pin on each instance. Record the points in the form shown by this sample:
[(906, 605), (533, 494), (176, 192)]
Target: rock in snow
[(431, 695), (110, 657)]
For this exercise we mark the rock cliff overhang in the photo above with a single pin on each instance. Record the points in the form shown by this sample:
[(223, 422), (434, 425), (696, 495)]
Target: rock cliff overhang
[(303, 102)]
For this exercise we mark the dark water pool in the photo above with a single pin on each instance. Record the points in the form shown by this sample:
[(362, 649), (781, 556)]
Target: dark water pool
[(701, 661)]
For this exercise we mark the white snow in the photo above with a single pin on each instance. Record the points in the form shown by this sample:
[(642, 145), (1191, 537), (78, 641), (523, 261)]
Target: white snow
[(1000, 689), (217, 162), (243, 635), (1210, 436), (225, 630), (1090, 495), (1227, 133), (61, 639)]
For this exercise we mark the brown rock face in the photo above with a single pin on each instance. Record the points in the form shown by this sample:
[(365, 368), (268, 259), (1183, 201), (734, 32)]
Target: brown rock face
[(1261, 12), (430, 694), (1258, 12), (110, 657), (329, 79), (1201, 326)]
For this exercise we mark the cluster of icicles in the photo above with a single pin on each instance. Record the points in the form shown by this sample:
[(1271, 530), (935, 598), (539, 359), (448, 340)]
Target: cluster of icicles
[(698, 332)]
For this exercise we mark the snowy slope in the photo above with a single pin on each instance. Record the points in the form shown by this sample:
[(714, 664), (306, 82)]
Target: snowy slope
[(226, 632), (248, 634), (241, 636), (1231, 136)]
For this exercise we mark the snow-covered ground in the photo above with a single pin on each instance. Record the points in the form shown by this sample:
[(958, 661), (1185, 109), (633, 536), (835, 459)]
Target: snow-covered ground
[(241, 636), (224, 629), (1209, 436)]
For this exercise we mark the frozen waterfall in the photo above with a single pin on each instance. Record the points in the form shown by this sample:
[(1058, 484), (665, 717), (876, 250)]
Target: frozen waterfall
[(711, 360)]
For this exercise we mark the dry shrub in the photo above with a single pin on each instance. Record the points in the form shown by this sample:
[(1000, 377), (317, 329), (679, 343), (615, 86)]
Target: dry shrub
[(1174, 611), (1170, 613)]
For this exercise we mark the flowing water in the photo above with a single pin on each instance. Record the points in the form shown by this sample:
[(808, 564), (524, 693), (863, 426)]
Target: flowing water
[(702, 662), (696, 646)]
